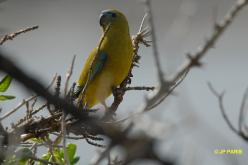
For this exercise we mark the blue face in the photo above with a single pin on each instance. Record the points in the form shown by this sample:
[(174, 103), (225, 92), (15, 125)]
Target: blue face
[(107, 17)]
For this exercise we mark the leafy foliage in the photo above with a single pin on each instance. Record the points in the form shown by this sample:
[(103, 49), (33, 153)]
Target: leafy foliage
[(23, 156), (20, 157), (58, 155), (4, 85)]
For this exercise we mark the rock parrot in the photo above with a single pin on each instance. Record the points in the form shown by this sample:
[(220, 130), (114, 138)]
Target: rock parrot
[(109, 62)]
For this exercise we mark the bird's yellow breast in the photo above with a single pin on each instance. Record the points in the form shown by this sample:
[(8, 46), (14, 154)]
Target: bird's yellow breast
[(118, 47)]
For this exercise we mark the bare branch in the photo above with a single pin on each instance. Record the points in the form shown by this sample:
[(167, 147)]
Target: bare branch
[(63, 123), (194, 59), (139, 88), (219, 29), (148, 10), (103, 155), (15, 109), (220, 97), (13, 35), (68, 75), (165, 90), (63, 134), (243, 111)]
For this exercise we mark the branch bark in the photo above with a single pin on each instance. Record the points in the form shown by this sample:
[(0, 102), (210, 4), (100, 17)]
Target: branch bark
[(15, 34)]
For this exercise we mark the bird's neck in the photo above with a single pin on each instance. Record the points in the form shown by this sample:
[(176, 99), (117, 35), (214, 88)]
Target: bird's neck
[(116, 34)]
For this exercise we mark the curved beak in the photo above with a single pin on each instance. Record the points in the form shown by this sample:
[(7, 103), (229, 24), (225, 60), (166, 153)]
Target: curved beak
[(103, 19)]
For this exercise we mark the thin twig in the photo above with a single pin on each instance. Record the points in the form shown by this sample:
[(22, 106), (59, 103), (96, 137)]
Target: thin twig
[(38, 109), (15, 109), (142, 23), (148, 9), (70, 137), (40, 144), (51, 147), (103, 155), (220, 97), (63, 134), (34, 102), (13, 35), (139, 88), (243, 111), (165, 90), (94, 143), (43, 161), (63, 123), (68, 75)]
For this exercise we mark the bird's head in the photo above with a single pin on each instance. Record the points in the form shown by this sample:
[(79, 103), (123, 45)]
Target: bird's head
[(113, 18)]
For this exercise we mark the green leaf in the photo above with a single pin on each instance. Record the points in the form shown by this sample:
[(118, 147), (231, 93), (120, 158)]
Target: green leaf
[(23, 162), (23, 154), (71, 150), (59, 157), (61, 153), (75, 160), (5, 82), (58, 140), (46, 156), (6, 97)]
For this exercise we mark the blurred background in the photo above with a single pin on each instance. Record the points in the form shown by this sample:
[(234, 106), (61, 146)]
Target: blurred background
[(188, 123)]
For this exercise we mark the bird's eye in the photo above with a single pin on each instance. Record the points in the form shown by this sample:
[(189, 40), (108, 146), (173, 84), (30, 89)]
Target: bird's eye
[(113, 15)]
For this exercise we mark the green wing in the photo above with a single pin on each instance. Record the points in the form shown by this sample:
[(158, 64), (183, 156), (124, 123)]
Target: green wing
[(95, 69)]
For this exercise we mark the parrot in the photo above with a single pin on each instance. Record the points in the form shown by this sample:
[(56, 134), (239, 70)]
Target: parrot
[(109, 62)]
